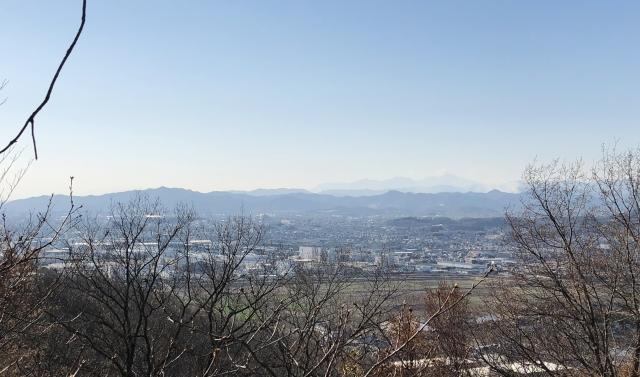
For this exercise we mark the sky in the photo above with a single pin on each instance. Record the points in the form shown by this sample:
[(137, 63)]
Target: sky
[(217, 95)]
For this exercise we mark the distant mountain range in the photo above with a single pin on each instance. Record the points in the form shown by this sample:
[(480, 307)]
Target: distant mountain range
[(294, 202), (432, 185)]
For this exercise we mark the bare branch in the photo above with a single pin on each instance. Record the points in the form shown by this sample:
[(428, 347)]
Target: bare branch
[(30, 122)]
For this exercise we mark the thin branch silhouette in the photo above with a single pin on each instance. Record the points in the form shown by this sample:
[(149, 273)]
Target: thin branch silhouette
[(30, 122)]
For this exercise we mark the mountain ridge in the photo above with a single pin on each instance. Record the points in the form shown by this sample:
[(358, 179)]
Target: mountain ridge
[(433, 184), (292, 201)]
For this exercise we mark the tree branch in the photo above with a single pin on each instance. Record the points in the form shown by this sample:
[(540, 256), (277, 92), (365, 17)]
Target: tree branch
[(30, 122)]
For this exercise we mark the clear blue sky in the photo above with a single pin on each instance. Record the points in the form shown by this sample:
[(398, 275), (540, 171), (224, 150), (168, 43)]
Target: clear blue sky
[(213, 95)]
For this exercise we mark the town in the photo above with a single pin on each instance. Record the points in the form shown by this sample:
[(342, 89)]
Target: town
[(430, 247)]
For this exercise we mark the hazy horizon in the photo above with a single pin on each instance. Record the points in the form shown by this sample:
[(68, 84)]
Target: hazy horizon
[(356, 187)]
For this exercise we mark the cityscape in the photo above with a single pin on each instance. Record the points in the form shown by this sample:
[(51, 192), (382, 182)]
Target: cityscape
[(436, 248)]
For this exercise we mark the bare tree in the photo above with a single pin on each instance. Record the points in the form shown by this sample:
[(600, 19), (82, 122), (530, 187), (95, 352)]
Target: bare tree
[(570, 306), (304, 323), (237, 299), (122, 283), (153, 293), (443, 302), (326, 324), (449, 332), (414, 358), (24, 294)]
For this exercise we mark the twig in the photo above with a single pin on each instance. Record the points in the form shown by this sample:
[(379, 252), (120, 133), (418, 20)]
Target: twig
[(31, 120)]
